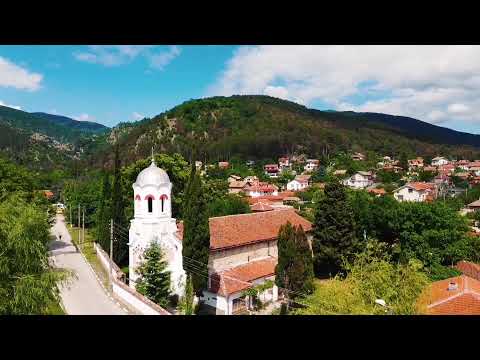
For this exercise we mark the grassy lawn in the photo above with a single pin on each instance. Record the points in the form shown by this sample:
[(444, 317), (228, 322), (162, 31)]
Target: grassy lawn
[(88, 250)]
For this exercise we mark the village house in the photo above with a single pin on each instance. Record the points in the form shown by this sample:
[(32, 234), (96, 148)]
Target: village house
[(446, 169), (261, 206), (223, 164), (284, 163), (311, 165), (198, 165), (473, 206), (243, 253), (234, 178), (358, 157), (359, 180), (301, 182), (439, 160), (271, 170), (416, 191), (391, 168), (462, 164), (458, 295), (415, 164), (250, 179), (250, 163), (260, 189), (235, 187), (377, 192), (430, 169), (243, 248)]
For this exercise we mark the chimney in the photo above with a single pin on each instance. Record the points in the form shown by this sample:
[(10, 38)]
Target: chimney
[(452, 286)]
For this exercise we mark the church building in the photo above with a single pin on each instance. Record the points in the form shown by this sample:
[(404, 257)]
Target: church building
[(243, 248)]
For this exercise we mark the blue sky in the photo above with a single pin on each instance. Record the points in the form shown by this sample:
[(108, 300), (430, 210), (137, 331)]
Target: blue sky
[(109, 84)]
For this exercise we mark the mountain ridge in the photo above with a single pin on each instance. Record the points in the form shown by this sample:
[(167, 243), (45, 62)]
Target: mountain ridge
[(263, 127)]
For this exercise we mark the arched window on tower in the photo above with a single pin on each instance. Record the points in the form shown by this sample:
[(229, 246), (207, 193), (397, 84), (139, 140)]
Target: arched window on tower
[(150, 199), (163, 198)]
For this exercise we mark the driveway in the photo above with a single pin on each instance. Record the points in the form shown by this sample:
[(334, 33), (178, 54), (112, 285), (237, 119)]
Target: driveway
[(83, 294)]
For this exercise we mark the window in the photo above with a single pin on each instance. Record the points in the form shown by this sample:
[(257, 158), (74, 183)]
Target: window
[(410, 190), (163, 201), (150, 204)]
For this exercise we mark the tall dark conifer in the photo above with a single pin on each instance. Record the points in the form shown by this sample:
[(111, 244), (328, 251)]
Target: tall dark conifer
[(196, 233), (294, 271), (334, 231), (120, 247), (104, 214)]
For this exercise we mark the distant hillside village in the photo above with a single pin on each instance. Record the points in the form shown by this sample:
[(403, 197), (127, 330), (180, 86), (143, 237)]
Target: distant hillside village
[(418, 180)]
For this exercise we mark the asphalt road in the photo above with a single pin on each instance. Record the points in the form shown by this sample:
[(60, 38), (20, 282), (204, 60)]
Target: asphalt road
[(83, 295)]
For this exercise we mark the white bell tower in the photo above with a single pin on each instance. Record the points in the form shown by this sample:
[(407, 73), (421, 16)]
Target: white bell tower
[(153, 222)]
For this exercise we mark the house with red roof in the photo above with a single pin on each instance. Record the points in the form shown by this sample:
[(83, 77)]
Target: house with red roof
[(243, 254), (458, 295), (416, 191), (301, 182), (271, 170), (260, 189)]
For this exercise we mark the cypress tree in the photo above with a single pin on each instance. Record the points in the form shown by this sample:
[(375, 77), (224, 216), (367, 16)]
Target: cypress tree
[(286, 254), (196, 234), (334, 230), (103, 216), (294, 270), (154, 280), (120, 247), (305, 258)]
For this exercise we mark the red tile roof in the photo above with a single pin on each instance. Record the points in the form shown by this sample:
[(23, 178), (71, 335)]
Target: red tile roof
[(243, 229), (469, 268), (261, 206), (377, 191), (465, 300), (239, 278), (421, 186)]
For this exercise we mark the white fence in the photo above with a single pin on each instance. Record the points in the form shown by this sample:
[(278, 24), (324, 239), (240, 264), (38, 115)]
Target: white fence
[(123, 291)]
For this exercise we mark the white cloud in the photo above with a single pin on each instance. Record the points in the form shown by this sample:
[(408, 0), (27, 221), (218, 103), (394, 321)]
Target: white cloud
[(159, 61), (10, 106), (431, 83), (276, 91), (116, 55), (136, 116), (18, 77), (83, 117)]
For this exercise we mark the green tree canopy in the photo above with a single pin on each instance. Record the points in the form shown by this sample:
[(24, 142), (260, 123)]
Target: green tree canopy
[(154, 279)]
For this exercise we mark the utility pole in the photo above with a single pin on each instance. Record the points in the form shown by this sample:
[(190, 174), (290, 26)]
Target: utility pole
[(79, 224), (111, 253), (83, 232)]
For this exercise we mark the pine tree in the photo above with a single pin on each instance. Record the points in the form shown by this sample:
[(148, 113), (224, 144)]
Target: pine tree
[(286, 254), (294, 270), (187, 301), (334, 231), (103, 216), (403, 161), (305, 258), (154, 279), (196, 234), (120, 247)]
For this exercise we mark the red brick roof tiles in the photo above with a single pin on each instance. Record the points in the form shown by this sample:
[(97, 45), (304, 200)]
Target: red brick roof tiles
[(465, 300), (238, 230), (239, 278)]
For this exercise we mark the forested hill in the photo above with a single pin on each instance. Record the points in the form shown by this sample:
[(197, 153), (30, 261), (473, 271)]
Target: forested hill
[(263, 127), (86, 126), (45, 141)]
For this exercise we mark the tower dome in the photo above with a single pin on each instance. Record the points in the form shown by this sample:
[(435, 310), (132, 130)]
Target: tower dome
[(152, 175)]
